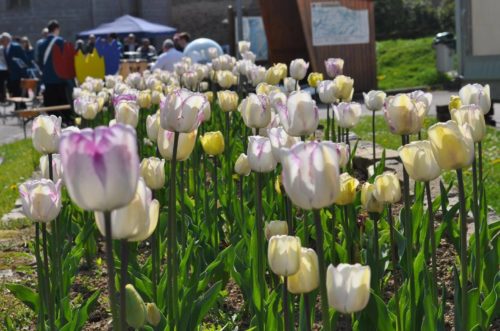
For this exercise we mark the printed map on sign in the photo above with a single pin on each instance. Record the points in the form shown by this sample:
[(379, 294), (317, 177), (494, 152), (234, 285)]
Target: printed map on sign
[(333, 24)]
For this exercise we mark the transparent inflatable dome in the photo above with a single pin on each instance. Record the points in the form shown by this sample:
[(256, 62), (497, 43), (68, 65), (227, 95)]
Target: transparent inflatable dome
[(201, 50)]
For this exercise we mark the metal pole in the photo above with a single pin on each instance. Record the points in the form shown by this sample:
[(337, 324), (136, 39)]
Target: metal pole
[(239, 18)]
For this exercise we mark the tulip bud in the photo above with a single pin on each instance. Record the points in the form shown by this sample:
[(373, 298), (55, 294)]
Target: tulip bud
[(137, 220), (182, 111), (185, 145), (283, 255), (144, 99), (153, 314), (300, 115), (152, 126), (298, 69), (314, 79), (153, 172), (348, 287), (403, 115), (274, 228), (41, 199), (243, 46), (454, 103), (242, 167), (307, 278), (348, 186), (190, 79), (347, 115), (213, 143), (57, 170), (452, 145), (387, 188), (45, 133), (475, 94), (213, 52), (374, 100), (473, 116), (275, 74), (266, 89), (249, 56), (311, 174), (334, 67), (419, 161), (94, 162), (228, 100), (135, 308), (279, 140), (344, 153), (368, 199), (127, 113), (326, 91), (260, 156), (256, 111), (290, 85), (87, 106)]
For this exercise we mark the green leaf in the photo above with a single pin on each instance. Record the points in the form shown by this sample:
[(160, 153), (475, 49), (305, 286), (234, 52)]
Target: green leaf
[(375, 315), (27, 296)]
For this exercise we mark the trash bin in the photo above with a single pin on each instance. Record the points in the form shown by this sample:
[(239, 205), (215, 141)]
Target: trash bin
[(445, 45)]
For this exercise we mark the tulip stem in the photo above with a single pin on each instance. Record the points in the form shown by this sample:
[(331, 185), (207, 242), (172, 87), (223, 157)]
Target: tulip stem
[(123, 282), (480, 156), (46, 279), (348, 237), (475, 212), (409, 239), (347, 137), (432, 241), (41, 287), (172, 244), (215, 220), (333, 135), (463, 246), (259, 228), (181, 191), (394, 257), (373, 139), (334, 234), (286, 306), (375, 279), (110, 263), (322, 270), (327, 134)]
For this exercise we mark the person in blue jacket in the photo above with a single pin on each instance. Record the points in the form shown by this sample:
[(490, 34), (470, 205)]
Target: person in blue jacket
[(55, 92), (17, 64)]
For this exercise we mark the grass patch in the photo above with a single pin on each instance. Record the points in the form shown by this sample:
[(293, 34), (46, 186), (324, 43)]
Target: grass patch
[(407, 63), (19, 161), (491, 160)]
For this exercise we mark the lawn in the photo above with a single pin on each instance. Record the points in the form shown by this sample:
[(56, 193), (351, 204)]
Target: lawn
[(491, 154), (407, 63), (19, 160)]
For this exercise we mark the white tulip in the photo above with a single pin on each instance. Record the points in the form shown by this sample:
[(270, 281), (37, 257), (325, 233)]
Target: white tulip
[(283, 255), (307, 278), (374, 100), (279, 140), (45, 133), (475, 94), (347, 115), (298, 69), (348, 287), (260, 156), (41, 199), (255, 111), (153, 172), (57, 170), (300, 115)]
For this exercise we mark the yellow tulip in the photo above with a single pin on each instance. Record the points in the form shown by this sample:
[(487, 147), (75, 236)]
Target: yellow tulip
[(90, 65), (344, 87), (307, 278), (213, 143), (348, 186), (228, 100), (314, 78), (455, 102), (210, 96), (135, 308), (368, 199), (144, 99), (452, 145)]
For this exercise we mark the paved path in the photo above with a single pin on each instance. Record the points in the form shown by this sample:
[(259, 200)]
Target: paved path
[(11, 128)]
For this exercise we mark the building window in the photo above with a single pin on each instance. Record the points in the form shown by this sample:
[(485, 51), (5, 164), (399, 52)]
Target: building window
[(18, 4)]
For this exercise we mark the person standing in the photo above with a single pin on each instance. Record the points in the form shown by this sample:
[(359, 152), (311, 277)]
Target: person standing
[(45, 33), (169, 56), (146, 51), (17, 64), (55, 88), (4, 75), (181, 40)]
